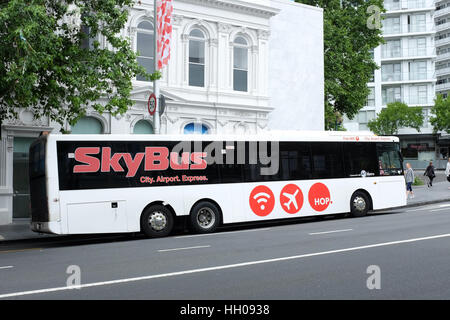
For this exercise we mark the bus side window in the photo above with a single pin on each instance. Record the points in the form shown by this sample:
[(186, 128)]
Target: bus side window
[(295, 161), (327, 160), (359, 156)]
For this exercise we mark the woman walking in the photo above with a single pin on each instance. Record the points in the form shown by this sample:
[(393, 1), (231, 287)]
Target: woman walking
[(429, 172), (409, 177)]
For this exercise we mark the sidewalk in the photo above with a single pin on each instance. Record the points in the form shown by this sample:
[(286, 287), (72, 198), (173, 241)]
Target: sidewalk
[(20, 228), (423, 195)]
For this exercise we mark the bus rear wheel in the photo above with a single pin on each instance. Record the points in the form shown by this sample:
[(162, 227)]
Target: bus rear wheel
[(205, 217), (157, 221), (359, 204)]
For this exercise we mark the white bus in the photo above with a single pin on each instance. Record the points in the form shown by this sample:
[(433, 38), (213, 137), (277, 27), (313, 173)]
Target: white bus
[(147, 183)]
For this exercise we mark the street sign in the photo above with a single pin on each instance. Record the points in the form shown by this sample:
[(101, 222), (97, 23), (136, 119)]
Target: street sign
[(152, 104)]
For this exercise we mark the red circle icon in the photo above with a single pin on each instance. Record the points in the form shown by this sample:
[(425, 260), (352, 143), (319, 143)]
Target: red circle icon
[(319, 196), (291, 198), (262, 201)]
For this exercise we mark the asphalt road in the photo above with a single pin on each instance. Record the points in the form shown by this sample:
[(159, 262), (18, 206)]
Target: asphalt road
[(318, 259)]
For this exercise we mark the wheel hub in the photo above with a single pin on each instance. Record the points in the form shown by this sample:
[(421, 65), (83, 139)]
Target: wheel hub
[(157, 221), (359, 203), (206, 218)]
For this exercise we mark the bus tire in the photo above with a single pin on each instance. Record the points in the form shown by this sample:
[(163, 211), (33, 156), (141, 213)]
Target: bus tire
[(359, 204), (157, 221), (205, 217)]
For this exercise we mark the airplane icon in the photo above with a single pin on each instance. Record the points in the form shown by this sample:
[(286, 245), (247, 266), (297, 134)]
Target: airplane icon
[(292, 199)]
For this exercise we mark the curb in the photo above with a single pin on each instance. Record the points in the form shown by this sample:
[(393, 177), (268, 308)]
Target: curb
[(417, 204), (422, 203)]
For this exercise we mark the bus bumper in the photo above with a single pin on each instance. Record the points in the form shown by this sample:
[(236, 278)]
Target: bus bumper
[(46, 227)]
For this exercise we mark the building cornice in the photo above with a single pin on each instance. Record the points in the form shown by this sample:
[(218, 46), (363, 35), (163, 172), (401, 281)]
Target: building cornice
[(237, 6)]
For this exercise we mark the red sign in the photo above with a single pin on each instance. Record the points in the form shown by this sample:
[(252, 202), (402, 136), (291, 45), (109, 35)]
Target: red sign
[(291, 198), (319, 197), (262, 201), (152, 103)]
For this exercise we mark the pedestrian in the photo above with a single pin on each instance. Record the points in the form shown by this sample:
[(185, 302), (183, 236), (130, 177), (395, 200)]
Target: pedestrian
[(429, 172), (447, 171), (409, 177)]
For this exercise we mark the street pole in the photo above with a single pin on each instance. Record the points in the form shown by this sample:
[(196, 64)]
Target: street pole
[(156, 122)]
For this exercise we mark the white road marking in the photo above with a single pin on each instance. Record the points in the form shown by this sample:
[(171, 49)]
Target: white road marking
[(219, 233), (222, 267), (333, 231), (7, 267), (419, 209), (441, 209), (429, 207), (185, 248)]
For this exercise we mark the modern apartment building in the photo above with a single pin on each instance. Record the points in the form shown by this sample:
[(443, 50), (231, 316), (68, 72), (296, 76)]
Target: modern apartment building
[(406, 74), (442, 21)]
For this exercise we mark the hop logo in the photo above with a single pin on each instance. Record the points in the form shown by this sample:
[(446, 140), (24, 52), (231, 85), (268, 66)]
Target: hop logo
[(319, 197), (262, 201)]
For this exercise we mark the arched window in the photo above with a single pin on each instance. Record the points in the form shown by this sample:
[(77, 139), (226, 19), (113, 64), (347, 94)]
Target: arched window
[(196, 58), (87, 125), (145, 47), (143, 127), (240, 64), (195, 128)]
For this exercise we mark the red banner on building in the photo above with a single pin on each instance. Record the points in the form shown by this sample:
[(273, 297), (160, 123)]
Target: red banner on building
[(164, 16)]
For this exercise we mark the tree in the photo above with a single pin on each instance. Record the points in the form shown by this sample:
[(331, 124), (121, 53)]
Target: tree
[(351, 31), (48, 66), (441, 114), (395, 116)]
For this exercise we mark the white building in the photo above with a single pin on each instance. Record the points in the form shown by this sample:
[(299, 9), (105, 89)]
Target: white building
[(406, 74), (236, 67)]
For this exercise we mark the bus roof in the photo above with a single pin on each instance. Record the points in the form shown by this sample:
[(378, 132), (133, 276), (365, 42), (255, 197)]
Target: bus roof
[(355, 136)]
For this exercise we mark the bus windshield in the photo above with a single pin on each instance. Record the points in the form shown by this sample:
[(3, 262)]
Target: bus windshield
[(389, 159)]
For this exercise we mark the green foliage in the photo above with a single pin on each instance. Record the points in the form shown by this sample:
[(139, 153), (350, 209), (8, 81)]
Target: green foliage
[(440, 118), (45, 67), (333, 119), (395, 116), (348, 42), (418, 182)]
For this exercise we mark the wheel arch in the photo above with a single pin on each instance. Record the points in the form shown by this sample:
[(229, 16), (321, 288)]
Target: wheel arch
[(159, 202)]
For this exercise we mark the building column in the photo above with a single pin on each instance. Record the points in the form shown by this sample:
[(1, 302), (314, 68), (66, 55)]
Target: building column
[(6, 169)]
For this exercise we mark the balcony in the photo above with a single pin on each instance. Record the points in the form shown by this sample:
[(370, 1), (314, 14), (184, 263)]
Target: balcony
[(443, 71), (443, 86), (442, 27), (397, 31), (442, 12), (408, 77), (406, 53), (442, 42), (410, 5), (443, 56)]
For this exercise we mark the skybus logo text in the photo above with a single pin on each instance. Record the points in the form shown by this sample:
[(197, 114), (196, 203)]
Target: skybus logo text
[(154, 158)]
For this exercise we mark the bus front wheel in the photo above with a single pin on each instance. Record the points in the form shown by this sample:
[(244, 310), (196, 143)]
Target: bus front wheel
[(359, 204), (157, 221), (205, 217)]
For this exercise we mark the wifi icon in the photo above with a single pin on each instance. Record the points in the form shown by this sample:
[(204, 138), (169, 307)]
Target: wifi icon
[(262, 200)]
